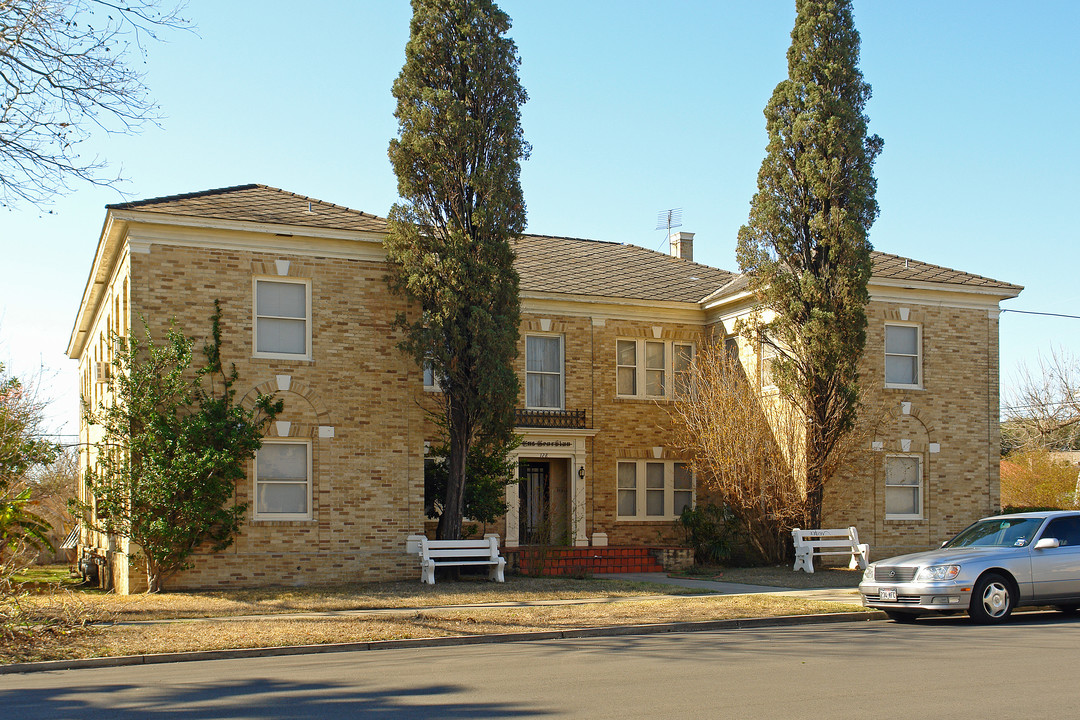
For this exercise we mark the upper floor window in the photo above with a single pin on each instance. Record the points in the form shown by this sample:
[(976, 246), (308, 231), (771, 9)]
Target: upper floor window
[(283, 318), (653, 490), (903, 487), (766, 357), (645, 368), (431, 380), (283, 480), (903, 356), (544, 371)]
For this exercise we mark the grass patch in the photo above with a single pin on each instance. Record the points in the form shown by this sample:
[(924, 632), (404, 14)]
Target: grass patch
[(213, 634), (40, 578), (191, 621), (358, 596)]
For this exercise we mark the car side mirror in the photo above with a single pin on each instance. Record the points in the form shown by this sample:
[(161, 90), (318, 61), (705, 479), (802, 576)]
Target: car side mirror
[(1047, 544)]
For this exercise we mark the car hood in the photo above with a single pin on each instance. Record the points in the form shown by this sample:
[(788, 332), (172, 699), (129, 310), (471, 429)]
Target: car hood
[(952, 556)]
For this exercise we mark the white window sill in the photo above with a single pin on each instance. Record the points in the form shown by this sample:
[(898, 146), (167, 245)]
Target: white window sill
[(893, 386), (282, 518), (904, 518), (281, 356)]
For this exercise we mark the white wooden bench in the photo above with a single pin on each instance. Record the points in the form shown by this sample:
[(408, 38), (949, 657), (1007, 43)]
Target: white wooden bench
[(440, 553), (814, 543)]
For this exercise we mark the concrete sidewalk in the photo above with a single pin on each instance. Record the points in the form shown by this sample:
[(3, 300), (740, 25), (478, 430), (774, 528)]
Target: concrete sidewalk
[(844, 595), (707, 588)]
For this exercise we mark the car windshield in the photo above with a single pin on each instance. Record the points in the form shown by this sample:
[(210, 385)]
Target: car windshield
[(999, 532)]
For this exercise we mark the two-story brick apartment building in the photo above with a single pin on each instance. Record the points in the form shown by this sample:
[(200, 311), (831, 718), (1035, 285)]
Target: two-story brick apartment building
[(608, 333)]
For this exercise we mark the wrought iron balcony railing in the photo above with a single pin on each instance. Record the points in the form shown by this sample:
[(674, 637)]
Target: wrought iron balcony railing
[(550, 418)]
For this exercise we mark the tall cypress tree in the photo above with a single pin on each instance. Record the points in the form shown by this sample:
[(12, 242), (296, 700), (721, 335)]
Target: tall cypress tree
[(457, 160), (805, 247)]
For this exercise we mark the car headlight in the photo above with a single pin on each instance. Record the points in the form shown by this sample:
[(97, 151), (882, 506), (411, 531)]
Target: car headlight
[(938, 572), (868, 573)]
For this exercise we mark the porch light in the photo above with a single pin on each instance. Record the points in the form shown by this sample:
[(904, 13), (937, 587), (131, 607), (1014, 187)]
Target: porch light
[(581, 472)]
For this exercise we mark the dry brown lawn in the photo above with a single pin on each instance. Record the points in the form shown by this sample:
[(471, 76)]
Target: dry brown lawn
[(171, 622), (366, 596), (213, 634)]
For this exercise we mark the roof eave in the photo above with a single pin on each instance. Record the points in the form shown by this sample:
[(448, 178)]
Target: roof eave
[(195, 221), (109, 242)]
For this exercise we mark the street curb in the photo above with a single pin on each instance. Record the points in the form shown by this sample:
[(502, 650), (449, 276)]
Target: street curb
[(455, 640)]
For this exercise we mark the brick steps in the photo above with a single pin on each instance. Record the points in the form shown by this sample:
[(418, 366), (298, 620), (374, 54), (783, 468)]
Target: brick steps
[(576, 560)]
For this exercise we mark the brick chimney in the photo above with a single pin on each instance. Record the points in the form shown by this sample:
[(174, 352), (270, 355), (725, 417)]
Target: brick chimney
[(682, 245)]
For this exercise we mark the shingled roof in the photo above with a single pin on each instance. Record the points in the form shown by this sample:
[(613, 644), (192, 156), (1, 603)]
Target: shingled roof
[(261, 204), (569, 266), (606, 269), (896, 267)]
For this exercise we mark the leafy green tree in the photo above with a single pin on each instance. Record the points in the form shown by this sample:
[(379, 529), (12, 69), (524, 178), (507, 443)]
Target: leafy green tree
[(175, 444), (22, 448), (457, 160), (490, 469), (805, 247)]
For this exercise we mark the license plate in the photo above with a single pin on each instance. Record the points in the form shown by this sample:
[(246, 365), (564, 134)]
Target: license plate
[(887, 594)]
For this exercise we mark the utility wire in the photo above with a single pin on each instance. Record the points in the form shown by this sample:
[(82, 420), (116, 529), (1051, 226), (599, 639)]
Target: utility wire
[(1048, 314)]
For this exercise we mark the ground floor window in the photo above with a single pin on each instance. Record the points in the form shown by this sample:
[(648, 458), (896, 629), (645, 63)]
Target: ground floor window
[(283, 480), (903, 487), (653, 489)]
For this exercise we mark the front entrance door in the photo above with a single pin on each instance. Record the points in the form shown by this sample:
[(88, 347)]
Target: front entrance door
[(534, 495)]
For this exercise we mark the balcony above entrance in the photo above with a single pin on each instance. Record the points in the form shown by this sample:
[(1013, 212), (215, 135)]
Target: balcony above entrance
[(574, 419)]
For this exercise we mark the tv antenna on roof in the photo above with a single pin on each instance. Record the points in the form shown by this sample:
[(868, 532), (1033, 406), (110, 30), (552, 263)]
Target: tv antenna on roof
[(668, 219)]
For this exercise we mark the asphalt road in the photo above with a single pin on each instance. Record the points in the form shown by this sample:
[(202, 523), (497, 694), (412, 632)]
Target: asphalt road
[(942, 668)]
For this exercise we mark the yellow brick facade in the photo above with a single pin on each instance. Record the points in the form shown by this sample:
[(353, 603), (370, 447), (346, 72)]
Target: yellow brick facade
[(359, 404)]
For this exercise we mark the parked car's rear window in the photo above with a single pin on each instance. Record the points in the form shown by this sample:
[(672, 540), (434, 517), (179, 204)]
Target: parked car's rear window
[(1001, 532)]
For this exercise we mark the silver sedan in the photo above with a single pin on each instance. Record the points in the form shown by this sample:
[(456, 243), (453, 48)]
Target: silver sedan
[(988, 569)]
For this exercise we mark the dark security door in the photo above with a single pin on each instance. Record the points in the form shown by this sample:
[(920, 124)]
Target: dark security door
[(534, 495)]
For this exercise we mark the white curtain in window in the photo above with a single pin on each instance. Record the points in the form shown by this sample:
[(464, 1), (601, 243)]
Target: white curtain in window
[(627, 489), (901, 355), (654, 488), (654, 368), (543, 372), (626, 351), (281, 314), (282, 483), (902, 485)]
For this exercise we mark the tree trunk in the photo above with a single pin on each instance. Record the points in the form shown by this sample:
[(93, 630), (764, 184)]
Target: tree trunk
[(454, 502)]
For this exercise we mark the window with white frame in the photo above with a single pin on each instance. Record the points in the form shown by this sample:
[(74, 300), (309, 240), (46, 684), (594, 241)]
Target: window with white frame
[(644, 368), (282, 318), (683, 360), (544, 372), (903, 487), (431, 380), (766, 357), (283, 480), (903, 355), (653, 489)]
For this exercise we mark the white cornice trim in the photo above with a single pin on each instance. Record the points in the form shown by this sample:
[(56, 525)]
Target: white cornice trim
[(261, 228), (611, 308), (355, 248), (997, 292)]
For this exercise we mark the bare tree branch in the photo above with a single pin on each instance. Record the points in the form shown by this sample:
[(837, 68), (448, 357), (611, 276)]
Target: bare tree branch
[(66, 72)]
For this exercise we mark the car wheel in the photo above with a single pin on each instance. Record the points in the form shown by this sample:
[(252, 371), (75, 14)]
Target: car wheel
[(901, 617), (992, 599)]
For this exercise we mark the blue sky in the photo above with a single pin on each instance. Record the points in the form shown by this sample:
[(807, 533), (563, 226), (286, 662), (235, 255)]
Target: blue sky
[(635, 108)]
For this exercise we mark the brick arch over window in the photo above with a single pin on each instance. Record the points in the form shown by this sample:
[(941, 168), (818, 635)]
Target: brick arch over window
[(296, 389), (913, 425)]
